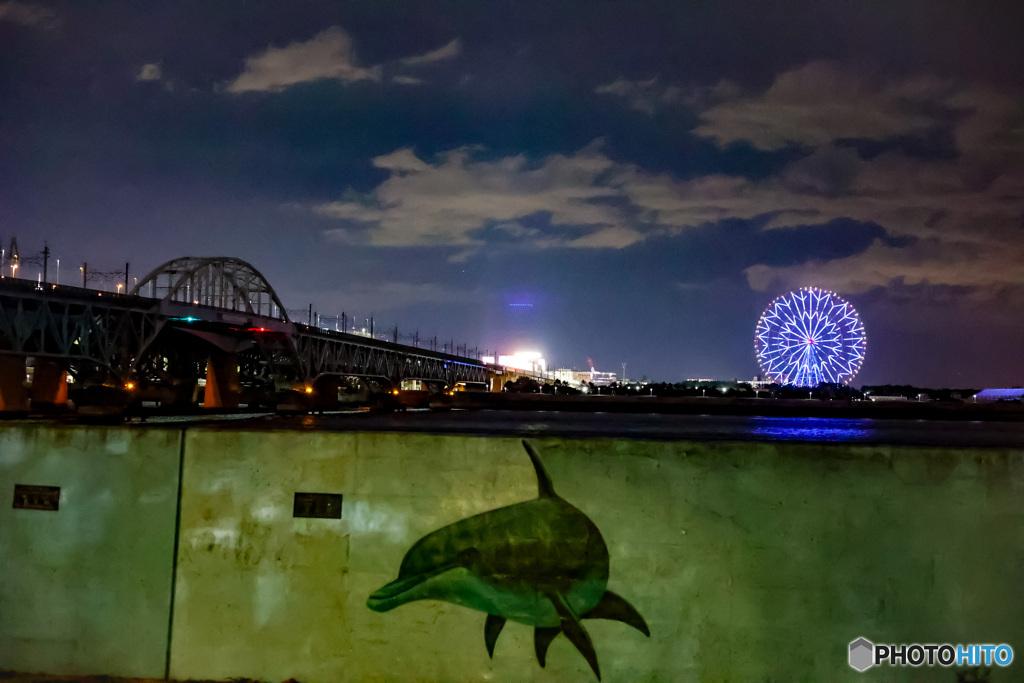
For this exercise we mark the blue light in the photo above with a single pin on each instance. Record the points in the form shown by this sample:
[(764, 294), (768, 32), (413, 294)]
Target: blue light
[(813, 429), (810, 336), (520, 305)]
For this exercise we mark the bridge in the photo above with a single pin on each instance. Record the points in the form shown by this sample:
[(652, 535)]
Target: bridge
[(190, 322)]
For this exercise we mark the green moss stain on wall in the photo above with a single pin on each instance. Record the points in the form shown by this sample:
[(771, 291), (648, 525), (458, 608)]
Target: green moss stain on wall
[(86, 589), (749, 561)]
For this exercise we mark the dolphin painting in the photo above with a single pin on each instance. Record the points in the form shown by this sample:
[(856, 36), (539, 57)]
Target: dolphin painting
[(542, 563)]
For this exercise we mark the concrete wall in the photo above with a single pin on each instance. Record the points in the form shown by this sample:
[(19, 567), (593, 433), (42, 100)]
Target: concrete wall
[(749, 561), (87, 589)]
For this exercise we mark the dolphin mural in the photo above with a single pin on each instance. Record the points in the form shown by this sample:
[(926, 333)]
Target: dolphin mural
[(542, 563)]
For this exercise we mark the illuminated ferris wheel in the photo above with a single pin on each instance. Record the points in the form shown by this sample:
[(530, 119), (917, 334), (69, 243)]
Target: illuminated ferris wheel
[(810, 336)]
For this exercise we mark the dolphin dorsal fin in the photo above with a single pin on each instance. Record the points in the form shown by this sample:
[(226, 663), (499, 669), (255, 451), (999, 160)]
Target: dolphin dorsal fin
[(545, 489)]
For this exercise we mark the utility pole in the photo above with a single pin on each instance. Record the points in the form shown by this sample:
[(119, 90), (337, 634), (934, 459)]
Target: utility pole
[(85, 273), (14, 256), (125, 277), (46, 259)]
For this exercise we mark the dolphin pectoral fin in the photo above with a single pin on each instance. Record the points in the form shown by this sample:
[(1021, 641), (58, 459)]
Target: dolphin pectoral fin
[(575, 632), (615, 607), (492, 629), (542, 637)]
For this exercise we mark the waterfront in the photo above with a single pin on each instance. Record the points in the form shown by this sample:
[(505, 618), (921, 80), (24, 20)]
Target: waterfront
[(656, 426)]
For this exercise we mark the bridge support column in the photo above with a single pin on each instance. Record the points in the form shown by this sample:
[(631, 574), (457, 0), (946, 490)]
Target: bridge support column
[(13, 395), (49, 385), (222, 388), (325, 393), (495, 382)]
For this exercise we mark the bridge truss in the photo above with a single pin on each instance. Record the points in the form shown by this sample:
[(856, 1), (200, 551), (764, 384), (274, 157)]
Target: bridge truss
[(207, 308)]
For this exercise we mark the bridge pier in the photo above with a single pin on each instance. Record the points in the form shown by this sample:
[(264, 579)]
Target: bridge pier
[(13, 394), (49, 385), (325, 392), (222, 386)]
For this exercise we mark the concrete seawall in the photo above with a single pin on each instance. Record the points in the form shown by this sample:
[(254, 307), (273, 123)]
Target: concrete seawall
[(178, 551)]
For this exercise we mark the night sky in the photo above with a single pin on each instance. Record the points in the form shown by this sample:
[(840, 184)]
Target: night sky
[(639, 178)]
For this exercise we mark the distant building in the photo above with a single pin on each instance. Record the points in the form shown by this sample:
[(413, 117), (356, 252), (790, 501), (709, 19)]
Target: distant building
[(723, 385), (531, 361), (567, 375), (1015, 394), (592, 376)]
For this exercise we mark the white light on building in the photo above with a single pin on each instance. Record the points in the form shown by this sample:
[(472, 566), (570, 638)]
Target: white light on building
[(530, 361)]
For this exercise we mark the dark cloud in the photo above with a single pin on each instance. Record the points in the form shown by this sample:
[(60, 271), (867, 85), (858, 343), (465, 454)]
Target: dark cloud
[(649, 175)]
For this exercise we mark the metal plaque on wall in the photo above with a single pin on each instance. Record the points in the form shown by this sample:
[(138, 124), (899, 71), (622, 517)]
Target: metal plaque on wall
[(317, 505), (27, 497)]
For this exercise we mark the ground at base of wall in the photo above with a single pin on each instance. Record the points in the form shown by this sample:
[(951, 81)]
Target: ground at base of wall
[(15, 677)]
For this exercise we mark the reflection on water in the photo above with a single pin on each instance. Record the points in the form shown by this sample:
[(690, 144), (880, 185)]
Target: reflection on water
[(812, 429), (946, 433)]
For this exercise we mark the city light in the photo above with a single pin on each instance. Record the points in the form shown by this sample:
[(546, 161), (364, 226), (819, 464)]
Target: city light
[(524, 360)]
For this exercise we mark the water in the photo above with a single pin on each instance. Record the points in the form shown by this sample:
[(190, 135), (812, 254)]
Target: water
[(663, 427)]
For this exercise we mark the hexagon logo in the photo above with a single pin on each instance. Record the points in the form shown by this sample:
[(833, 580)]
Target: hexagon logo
[(862, 653)]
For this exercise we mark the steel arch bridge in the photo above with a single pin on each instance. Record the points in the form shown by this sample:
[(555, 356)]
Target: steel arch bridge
[(217, 282), (189, 316)]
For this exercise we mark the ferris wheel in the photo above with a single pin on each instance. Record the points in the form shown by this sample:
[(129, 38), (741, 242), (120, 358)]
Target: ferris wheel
[(810, 336)]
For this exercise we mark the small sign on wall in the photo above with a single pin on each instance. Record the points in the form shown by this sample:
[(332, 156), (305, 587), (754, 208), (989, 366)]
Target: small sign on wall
[(317, 505), (27, 497)]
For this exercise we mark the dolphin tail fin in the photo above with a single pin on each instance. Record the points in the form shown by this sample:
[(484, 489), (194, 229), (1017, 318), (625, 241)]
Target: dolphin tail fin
[(542, 637), (615, 608), (544, 486), (575, 632), (492, 629)]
